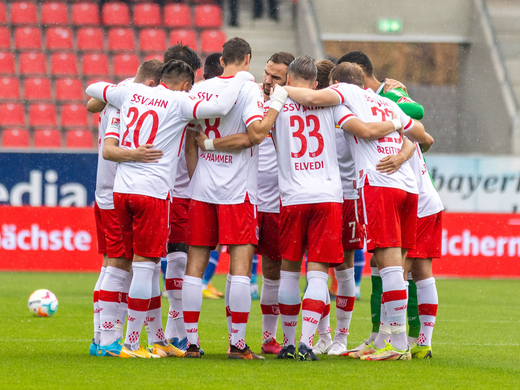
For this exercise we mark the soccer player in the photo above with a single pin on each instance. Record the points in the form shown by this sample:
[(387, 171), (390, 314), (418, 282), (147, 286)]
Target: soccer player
[(223, 197), (153, 116)]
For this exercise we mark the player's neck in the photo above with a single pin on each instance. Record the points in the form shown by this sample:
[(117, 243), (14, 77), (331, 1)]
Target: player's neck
[(232, 70), (372, 83)]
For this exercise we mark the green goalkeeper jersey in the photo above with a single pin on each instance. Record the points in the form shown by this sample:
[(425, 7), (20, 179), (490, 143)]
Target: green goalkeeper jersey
[(405, 103)]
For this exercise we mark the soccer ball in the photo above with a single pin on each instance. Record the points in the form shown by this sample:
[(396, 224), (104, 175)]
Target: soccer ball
[(43, 303)]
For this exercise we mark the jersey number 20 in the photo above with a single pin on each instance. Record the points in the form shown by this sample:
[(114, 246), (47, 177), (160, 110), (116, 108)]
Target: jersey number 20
[(134, 112)]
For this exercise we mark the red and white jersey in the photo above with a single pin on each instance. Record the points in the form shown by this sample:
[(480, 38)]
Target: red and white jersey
[(227, 177), (182, 179), (369, 107), (305, 141), (429, 200), (347, 168)]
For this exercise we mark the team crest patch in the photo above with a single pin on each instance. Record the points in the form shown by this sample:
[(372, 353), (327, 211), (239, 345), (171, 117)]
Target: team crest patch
[(260, 105)]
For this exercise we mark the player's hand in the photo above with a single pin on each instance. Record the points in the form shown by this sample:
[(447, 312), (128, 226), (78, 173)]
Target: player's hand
[(278, 97), (245, 75), (390, 164), (146, 154), (393, 84), (200, 139)]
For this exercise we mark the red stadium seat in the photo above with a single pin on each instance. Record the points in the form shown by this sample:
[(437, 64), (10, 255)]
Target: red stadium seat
[(152, 40), (69, 90), (59, 38), (33, 63), (12, 114), (74, 115), (55, 13), (95, 65), (28, 38), (90, 38), (211, 41), (37, 89), (85, 14), (79, 139), (121, 39), (5, 38), (24, 12), (116, 14), (64, 64), (125, 65), (42, 115), (177, 15), (47, 138), (3, 13), (9, 88), (15, 138), (208, 16), (6, 63), (186, 37), (148, 14)]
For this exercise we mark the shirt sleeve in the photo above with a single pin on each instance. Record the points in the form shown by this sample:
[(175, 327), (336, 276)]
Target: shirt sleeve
[(254, 107), (405, 103), (109, 93), (114, 125), (342, 115)]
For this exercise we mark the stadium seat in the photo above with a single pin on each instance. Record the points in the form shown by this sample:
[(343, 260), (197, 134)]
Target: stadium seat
[(5, 38), (69, 90), (79, 139), (64, 64), (54, 13), (177, 15), (95, 65), (125, 65), (6, 63), (47, 138), (152, 40), (116, 14), (147, 15), (74, 115), (85, 14), (208, 16), (33, 63), (28, 38), (3, 13), (42, 115), (12, 114), (89, 39), (15, 138), (121, 39), (24, 12), (59, 38), (37, 89), (211, 41), (9, 88), (186, 37)]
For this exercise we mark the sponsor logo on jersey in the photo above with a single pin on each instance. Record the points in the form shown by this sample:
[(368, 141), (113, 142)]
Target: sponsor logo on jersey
[(115, 121), (405, 99), (260, 105)]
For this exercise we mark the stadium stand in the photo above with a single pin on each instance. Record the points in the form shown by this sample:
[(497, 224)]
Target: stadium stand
[(37, 88), (47, 138), (54, 13), (15, 138)]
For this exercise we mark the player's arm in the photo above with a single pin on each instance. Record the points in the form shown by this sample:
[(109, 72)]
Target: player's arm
[(397, 92), (94, 106), (425, 146), (191, 151), (391, 164), (230, 143), (109, 93), (371, 131), (310, 97), (144, 153)]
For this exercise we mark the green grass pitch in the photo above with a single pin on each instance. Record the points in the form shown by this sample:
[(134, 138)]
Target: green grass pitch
[(476, 344)]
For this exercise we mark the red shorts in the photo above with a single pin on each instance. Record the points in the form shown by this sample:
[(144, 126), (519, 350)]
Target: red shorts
[(268, 241), (353, 232), (315, 227), (390, 217), (144, 221), (109, 237), (429, 237), (226, 224), (178, 220)]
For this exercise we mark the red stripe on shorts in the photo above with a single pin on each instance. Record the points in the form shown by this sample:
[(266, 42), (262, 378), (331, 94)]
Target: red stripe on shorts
[(191, 317), (109, 296), (138, 304), (238, 317), (173, 284), (345, 303), (96, 296), (155, 303), (428, 309), (394, 295), (313, 305), (270, 309), (289, 310)]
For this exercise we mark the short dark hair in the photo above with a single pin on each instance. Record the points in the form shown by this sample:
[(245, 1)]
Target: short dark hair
[(212, 67), (183, 53), (303, 67), (282, 57), (149, 70), (348, 72), (235, 51), (360, 58), (324, 68), (176, 71)]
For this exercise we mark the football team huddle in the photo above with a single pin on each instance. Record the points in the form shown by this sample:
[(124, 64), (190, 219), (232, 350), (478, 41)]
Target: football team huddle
[(316, 162)]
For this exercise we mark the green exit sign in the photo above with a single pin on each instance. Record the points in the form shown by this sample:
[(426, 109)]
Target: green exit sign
[(390, 26)]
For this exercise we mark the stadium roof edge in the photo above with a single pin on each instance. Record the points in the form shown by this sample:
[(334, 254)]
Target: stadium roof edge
[(396, 38)]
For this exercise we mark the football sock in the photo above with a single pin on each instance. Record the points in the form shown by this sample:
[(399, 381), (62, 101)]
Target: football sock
[(313, 305), (192, 303), (385, 333), (324, 323), (214, 257), (153, 317), (240, 306), (138, 301), (226, 303), (97, 328), (344, 303), (270, 308), (359, 265), (109, 300), (428, 302), (375, 301), (414, 324), (289, 301), (395, 301), (175, 270), (122, 309)]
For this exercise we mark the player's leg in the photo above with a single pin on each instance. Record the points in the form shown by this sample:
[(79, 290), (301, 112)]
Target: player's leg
[(324, 329), (122, 309)]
